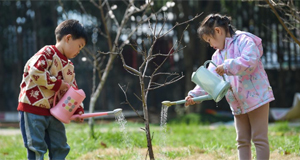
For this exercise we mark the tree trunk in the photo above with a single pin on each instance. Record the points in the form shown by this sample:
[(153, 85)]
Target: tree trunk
[(148, 134), (146, 117), (97, 92)]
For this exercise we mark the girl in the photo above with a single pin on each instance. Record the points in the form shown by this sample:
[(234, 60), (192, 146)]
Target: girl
[(237, 57)]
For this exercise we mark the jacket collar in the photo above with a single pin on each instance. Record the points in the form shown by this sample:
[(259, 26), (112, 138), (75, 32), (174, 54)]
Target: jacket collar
[(228, 41), (59, 54)]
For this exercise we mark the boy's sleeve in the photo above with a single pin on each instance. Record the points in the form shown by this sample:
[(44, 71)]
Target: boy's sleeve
[(79, 109), (248, 60), (40, 75)]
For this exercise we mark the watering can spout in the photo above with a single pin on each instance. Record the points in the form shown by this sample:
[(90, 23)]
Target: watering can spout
[(196, 99), (96, 114)]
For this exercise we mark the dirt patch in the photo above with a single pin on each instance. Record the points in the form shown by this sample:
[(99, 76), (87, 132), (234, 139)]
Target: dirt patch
[(9, 125), (197, 154), (8, 132), (9, 129)]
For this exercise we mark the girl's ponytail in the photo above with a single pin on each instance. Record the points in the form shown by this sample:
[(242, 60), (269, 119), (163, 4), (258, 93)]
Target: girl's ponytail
[(215, 20), (231, 29)]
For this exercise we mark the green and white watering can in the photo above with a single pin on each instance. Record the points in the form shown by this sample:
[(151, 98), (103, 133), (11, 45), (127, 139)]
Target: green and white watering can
[(213, 85)]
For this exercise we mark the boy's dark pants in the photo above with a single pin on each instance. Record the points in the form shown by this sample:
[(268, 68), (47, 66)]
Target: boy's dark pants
[(41, 133)]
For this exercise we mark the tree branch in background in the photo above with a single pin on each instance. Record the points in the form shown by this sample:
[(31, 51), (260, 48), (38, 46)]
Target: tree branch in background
[(62, 6), (281, 22), (127, 102)]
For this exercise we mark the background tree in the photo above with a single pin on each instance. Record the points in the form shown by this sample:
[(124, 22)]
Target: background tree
[(289, 17), (287, 13)]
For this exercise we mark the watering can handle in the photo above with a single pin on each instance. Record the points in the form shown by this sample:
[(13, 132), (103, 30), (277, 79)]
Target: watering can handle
[(209, 61), (54, 101)]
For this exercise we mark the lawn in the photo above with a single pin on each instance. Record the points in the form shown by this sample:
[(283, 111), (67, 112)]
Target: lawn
[(179, 140)]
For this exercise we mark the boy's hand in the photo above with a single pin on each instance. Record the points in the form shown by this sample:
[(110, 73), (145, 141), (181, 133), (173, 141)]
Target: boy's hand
[(79, 119), (220, 70), (64, 86)]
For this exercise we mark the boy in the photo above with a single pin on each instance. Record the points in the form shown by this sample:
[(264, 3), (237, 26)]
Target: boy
[(45, 73)]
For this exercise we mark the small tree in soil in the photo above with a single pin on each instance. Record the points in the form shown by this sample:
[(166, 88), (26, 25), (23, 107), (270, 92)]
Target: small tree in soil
[(146, 76)]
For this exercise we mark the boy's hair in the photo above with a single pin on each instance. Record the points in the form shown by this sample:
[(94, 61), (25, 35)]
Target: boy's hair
[(72, 27), (215, 20)]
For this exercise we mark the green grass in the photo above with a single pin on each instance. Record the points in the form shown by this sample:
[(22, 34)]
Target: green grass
[(193, 138), (11, 147)]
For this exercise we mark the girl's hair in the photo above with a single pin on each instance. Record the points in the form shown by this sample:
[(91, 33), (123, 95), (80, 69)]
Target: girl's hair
[(215, 20)]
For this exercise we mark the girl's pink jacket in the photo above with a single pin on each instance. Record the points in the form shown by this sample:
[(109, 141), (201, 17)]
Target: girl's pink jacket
[(244, 70)]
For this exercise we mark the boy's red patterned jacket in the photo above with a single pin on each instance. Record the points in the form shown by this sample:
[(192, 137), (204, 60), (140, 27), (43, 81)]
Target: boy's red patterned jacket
[(42, 78)]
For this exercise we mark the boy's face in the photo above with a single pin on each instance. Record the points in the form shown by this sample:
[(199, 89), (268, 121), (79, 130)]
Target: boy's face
[(218, 40), (72, 46)]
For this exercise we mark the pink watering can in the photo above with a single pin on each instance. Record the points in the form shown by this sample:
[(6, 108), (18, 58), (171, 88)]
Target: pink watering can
[(69, 103)]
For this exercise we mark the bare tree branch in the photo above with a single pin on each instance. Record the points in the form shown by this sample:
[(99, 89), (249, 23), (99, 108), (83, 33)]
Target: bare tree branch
[(178, 24), (128, 103), (128, 68), (159, 32), (159, 85), (111, 14), (62, 6), (132, 70), (282, 23), (100, 7), (116, 53), (141, 22), (139, 98), (178, 43), (87, 52)]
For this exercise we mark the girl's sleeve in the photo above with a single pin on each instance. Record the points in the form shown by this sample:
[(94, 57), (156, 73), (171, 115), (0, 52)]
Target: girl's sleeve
[(246, 62), (40, 75), (197, 91)]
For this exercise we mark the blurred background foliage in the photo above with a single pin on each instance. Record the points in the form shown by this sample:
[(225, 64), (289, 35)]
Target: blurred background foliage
[(28, 25)]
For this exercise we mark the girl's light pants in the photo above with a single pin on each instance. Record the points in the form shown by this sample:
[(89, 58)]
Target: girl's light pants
[(253, 126), (42, 133)]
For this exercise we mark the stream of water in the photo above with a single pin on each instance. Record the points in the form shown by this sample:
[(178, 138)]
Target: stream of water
[(122, 122), (163, 130), (163, 133), (126, 140)]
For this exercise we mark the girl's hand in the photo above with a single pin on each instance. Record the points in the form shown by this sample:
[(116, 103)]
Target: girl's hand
[(220, 70), (189, 101)]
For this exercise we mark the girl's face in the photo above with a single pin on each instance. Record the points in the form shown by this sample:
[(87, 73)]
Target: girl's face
[(218, 40)]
